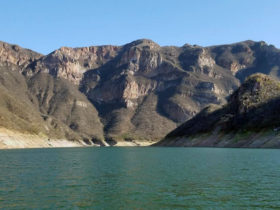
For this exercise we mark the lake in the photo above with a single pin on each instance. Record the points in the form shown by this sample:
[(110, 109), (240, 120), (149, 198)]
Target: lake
[(139, 178)]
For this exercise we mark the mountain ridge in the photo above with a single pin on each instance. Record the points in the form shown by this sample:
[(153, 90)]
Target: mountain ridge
[(135, 92)]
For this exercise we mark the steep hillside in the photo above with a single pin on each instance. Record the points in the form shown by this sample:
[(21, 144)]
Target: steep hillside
[(250, 119), (42, 105), (133, 93)]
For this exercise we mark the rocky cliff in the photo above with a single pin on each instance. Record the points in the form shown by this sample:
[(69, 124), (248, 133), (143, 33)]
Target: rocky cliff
[(249, 119), (131, 93)]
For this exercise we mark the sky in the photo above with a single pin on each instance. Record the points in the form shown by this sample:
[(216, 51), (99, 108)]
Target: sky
[(46, 25)]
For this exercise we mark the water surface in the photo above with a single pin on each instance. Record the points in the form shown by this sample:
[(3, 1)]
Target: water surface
[(139, 178)]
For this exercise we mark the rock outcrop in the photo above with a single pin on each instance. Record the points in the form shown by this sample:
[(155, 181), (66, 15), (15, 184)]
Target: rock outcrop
[(72, 63), (15, 55)]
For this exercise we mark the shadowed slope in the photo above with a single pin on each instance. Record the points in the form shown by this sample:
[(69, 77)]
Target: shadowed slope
[(250, 119)]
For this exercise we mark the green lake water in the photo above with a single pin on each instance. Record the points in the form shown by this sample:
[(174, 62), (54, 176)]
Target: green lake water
[(139, 178)]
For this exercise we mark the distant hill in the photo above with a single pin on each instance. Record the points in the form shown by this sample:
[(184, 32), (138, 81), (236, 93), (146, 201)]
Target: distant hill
[(249, 119), (131, 94)]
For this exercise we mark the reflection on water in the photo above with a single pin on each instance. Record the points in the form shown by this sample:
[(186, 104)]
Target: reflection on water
[(145, 178)]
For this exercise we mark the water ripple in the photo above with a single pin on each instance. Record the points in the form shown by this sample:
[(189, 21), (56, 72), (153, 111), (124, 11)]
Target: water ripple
[(139, 178)]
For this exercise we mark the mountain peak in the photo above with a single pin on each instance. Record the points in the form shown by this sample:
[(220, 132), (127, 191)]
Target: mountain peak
[(144, 43)]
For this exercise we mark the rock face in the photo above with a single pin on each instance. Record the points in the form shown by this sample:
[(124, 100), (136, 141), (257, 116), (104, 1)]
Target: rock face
[(139, 91), (250, 119), (15, 55), (72, 63)]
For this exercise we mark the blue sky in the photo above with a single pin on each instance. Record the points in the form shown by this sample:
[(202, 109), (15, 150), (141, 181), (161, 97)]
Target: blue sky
[(44, 26)]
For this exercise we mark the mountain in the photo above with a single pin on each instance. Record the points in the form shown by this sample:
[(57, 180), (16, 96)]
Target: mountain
[(122, 95), (42, 105), (249, 119)]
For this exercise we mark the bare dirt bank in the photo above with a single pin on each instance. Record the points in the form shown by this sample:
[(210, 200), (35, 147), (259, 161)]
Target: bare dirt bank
[(13, 139), (10, 139), (134, 143)]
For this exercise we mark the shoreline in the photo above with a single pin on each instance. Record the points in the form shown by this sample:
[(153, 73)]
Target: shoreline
[(16, 140), (10, 139)]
